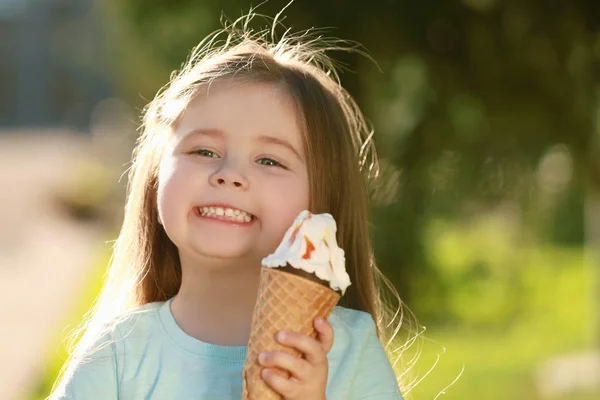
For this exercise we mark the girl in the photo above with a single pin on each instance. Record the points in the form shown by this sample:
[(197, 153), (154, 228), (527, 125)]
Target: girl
[(245, 137)]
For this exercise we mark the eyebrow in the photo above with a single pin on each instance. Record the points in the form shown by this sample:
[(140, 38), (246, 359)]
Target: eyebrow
[(204, 132), (263, 139), (279, 142)]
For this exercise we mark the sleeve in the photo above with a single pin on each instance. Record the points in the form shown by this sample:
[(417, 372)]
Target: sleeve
[(375, 379), (94, 376)]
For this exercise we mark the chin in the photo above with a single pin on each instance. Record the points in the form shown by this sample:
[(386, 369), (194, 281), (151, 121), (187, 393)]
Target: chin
[(220, 250)]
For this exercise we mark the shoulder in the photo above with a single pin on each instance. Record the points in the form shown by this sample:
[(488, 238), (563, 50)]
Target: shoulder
[(353, 327), (98, 365), (139, 321), (349, 319), (358, 357), (113, 337)]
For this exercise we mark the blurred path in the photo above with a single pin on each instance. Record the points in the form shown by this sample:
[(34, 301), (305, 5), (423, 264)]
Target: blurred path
[(43, 254)]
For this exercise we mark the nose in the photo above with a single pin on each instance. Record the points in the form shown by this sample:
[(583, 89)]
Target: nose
[(228, 176)]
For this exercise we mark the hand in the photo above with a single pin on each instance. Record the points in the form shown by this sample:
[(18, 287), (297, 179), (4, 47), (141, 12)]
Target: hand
[(308, 375)]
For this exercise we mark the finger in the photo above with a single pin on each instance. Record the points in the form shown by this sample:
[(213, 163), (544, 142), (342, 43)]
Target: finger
[(298, 367), (325, 333), (311, 348), (285, 387)]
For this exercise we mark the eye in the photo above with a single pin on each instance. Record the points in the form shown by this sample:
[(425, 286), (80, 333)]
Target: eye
[(205, 153), (269, 162)]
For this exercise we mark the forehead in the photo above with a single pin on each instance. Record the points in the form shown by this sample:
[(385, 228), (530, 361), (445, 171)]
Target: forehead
[(243, 109)]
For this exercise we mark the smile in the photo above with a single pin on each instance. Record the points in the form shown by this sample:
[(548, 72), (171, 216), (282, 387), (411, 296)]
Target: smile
[(225, 214)]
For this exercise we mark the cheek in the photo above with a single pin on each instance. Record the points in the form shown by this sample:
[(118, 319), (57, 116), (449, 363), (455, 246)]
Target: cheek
[(283, 205), (171, 191)]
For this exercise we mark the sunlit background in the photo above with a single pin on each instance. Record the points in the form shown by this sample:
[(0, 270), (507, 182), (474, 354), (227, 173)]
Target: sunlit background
[(486, 218)]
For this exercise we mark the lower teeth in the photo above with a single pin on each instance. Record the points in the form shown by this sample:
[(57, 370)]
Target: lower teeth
[(243, 219)]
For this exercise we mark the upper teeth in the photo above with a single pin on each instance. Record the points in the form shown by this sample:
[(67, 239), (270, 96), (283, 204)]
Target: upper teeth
[(234, 214)]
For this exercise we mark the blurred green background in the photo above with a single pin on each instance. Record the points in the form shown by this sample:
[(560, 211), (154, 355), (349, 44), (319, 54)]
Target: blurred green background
[(487, 120)]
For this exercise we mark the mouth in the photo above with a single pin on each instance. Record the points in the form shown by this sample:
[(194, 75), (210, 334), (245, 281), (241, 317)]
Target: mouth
[(227, 214)]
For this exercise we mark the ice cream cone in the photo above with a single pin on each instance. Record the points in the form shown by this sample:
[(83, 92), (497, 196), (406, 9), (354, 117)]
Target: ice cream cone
[(285, 301)]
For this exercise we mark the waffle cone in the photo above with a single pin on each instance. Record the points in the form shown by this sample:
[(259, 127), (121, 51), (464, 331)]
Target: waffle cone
[(285, 301)]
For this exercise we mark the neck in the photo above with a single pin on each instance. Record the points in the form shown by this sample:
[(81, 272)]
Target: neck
[(216, 301)]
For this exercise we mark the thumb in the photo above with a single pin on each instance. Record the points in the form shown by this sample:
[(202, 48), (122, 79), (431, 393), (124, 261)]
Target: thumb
[(324, 333)]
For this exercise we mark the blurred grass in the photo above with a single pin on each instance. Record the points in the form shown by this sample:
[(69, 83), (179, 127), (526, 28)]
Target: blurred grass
[(553, 319), (553, 298)]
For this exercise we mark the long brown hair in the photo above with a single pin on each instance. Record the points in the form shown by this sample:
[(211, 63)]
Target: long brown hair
[(340, 155)]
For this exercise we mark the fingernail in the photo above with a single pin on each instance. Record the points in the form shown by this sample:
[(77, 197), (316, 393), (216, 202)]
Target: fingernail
[(262, 357), (282, 335), (320, 320), (266, 373)]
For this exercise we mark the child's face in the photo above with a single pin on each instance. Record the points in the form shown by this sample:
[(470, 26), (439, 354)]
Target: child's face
[(241, 148)]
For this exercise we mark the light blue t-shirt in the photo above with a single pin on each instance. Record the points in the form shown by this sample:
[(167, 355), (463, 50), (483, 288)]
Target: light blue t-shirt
[(150, 357)]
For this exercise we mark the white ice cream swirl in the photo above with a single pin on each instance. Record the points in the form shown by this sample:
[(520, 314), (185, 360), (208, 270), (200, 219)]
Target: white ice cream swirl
[(310, 245)]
